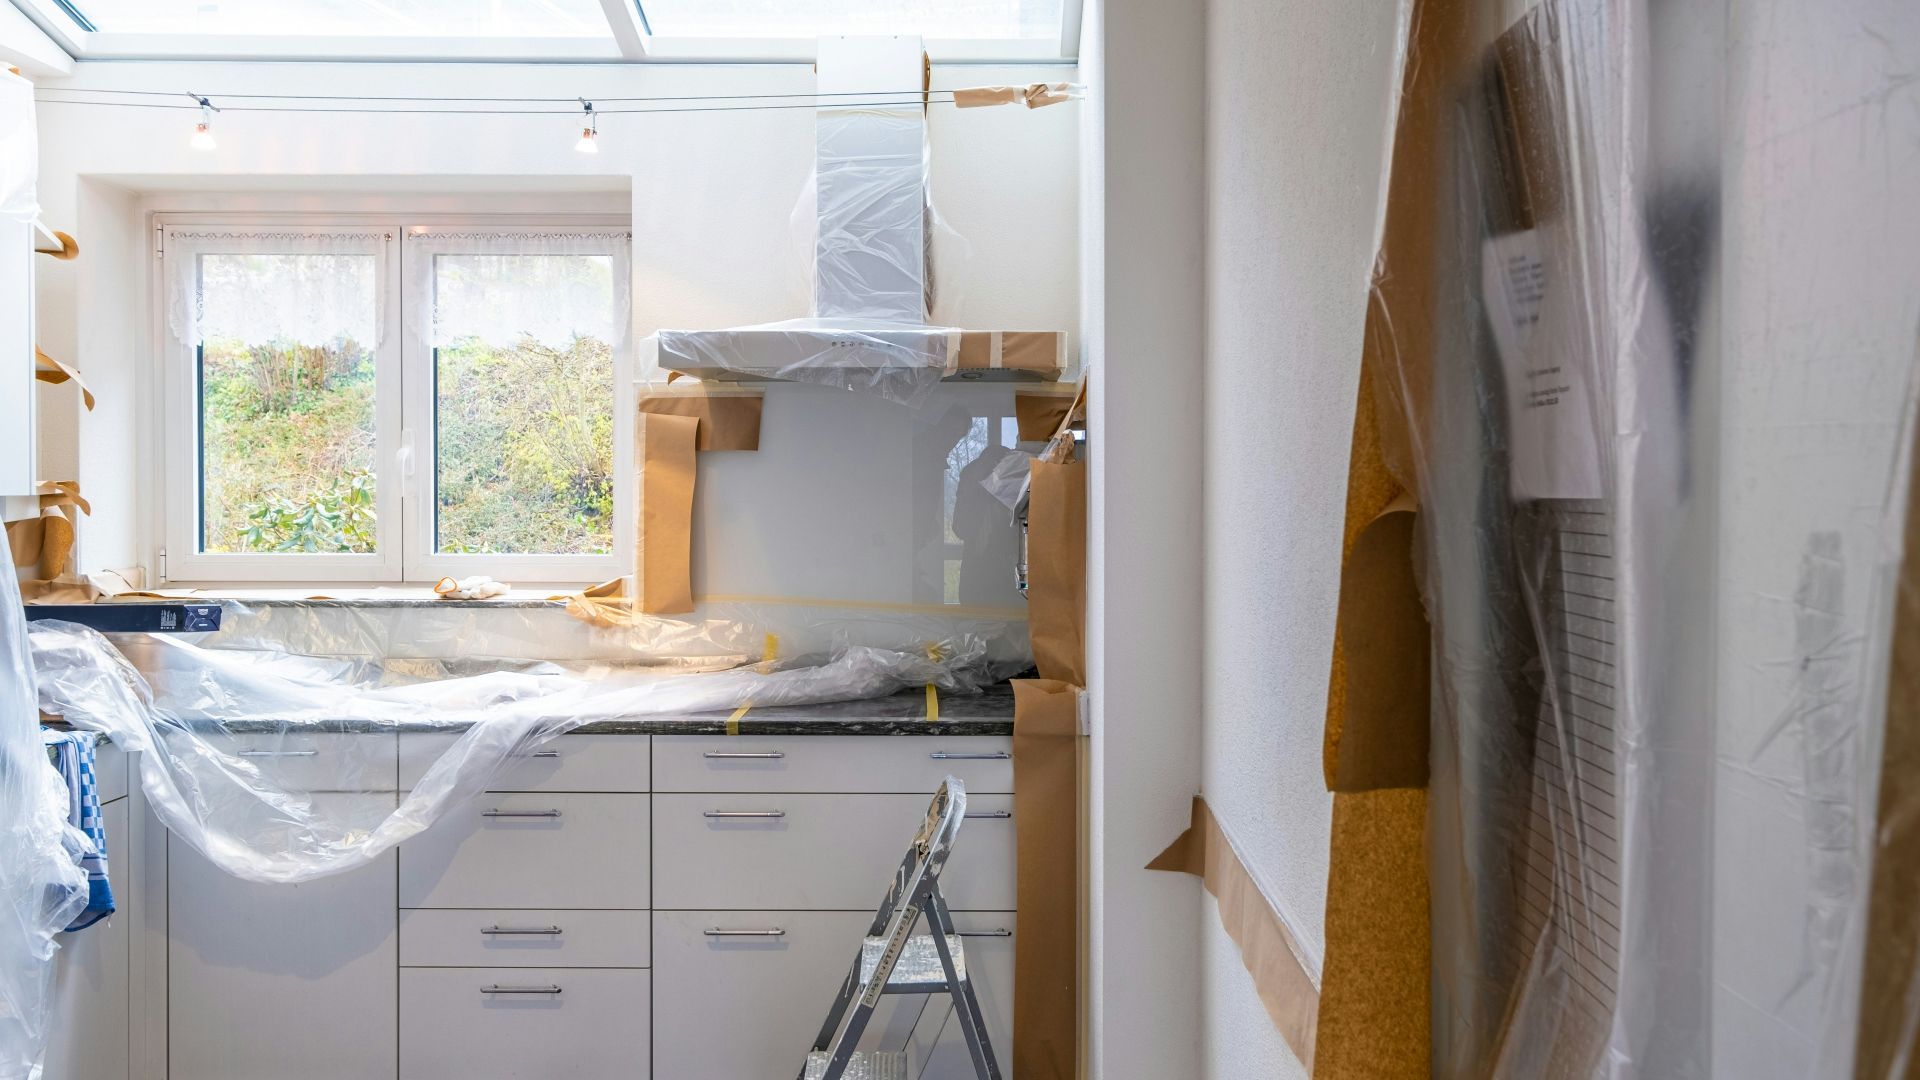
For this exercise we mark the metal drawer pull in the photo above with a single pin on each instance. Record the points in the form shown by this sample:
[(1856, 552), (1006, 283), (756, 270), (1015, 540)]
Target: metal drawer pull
[(714, 931), (760, 754), (545, 753), (996, 755), (521, 930), (520, 813), (1001, 932), (279, 753), (744, 813), (992, 813), (519, 989)]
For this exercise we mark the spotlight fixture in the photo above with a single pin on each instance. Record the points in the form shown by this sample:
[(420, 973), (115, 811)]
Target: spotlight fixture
[(203, 131), (589, 134)]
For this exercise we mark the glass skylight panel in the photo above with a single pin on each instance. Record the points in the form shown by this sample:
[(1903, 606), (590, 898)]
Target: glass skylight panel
[(956, 19), (350, 18)]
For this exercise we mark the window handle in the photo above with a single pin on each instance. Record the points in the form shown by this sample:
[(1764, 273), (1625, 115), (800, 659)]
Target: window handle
[(403, 457)]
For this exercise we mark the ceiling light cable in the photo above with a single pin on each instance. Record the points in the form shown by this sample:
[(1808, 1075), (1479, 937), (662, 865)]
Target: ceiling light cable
[(590, 134), (934, 99)]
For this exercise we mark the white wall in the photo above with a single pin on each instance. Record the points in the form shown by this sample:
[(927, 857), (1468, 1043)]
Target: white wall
[(1144, 547), (712, 195), (1297, 123)]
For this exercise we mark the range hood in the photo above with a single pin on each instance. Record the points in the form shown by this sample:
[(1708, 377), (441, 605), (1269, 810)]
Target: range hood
[(872, 281)]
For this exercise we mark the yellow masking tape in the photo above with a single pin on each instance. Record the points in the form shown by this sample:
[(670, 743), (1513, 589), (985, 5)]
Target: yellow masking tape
[(933, 703), (772, 649), (733, 722)]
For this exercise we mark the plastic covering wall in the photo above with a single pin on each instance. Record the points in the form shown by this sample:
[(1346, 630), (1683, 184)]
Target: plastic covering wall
[(1655, 404)]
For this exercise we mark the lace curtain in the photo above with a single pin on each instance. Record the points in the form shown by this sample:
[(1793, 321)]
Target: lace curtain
[(505, 285), (306, 288)]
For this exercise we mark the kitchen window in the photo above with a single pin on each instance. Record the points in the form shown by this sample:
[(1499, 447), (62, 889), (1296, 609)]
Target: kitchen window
[(392, 402)]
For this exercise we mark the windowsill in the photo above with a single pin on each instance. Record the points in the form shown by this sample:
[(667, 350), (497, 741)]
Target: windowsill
[(367, 597)]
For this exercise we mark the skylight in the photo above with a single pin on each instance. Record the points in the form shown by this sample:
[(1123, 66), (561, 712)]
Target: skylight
[(632, 30), (348, 18), (975, 19)]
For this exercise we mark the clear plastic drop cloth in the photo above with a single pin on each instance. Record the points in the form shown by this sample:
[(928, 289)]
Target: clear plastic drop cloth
[(1643, 339), (279, 766), (42, 887), (899, 361)]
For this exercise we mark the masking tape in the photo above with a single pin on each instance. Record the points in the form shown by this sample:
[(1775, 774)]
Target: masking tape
[(733, 722)]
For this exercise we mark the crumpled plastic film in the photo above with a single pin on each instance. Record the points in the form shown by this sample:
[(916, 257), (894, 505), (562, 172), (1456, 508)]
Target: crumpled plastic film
[(901, 361), (42, 887), (1639, 351), (235, 742)]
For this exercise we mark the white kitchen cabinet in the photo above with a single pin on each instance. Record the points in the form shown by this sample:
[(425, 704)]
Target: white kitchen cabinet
[(495, 937), (526, 1024), (532, 850), (743, 993), (881, 764), (91, 1005), (988, 940), (288, 982), (833, 852), (569, 763)]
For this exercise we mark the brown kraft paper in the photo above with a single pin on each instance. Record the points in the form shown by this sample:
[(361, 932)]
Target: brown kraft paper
[(1038, 416), (1046, 806), (664, 561), (729, 419), (1267, 947), (1040, 353), (1057, 569), (1887, 1047), (1377, 728)]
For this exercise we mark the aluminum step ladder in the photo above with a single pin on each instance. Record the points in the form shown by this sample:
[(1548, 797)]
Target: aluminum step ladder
[(895, 960)]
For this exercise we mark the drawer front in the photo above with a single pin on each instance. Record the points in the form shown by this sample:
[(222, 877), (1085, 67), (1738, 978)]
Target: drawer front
[(939, 1050), (882, 764), (505, 937), (832, 852), (568, 763), (591, 1027), (531, 851), (748, 1007), (302, 761)]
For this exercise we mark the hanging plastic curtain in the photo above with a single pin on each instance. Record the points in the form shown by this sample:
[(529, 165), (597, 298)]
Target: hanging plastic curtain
[(42, 887)]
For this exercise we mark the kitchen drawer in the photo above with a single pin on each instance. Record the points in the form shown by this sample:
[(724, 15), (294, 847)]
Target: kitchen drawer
[(496, 937), (591, 1027), (316, 761), (567, 763), (820, 852), (829, 763), (748, 1007), (531, 851), (939, 1051)]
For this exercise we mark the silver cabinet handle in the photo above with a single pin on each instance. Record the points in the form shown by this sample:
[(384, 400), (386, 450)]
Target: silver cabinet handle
[(995, 755), (521, 931), (715, 931), (279, 753), (498, 989), (766, 755), (992, 814), (520, 813), (998, 932), (744, 814), (545, 753)]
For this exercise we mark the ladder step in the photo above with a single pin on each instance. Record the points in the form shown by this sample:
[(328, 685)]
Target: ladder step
[(879, 1065), (918, 970)]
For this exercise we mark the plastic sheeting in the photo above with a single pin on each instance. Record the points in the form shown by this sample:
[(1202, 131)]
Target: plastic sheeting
[(899, 361), (42, 887), (236, 741), (1649, 276)]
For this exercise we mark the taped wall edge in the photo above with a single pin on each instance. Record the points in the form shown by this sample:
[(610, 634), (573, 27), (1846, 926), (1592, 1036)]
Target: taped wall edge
[(1268, 947), (664, 532), (1046, 807)]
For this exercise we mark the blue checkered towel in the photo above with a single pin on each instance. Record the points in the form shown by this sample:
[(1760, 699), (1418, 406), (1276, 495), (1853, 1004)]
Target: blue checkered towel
[(72, 753)]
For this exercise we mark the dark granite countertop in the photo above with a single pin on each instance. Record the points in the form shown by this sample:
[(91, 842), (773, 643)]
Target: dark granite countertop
[(905, 713)]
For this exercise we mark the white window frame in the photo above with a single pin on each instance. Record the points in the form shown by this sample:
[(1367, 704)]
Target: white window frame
[(403, 421), (423, 563)]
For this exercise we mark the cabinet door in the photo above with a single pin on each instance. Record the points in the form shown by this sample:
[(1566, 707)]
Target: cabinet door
[(292, 982), (734, 999), (90, 1003), (526, 1024)]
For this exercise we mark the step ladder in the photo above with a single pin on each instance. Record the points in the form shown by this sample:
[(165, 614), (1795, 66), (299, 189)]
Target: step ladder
[(895, 960)]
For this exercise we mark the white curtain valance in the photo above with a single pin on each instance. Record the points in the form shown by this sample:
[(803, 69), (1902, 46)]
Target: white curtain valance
[(506, 285), (306, 288)]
